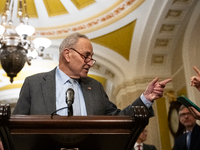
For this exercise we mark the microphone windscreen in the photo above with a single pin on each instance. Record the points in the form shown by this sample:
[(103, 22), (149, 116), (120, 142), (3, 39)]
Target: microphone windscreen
[(70, 96)]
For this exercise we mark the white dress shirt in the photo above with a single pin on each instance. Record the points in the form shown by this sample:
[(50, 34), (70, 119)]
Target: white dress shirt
[(136, 146)]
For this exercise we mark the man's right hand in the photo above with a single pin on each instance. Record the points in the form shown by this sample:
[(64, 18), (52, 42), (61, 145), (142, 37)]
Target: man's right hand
[(155, 89)]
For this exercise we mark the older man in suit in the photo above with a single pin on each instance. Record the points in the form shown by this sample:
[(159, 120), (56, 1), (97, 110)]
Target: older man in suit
[(44, 93), (140, 145)]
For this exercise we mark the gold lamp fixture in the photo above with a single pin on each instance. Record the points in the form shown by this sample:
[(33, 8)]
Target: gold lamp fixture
[(16, 47)]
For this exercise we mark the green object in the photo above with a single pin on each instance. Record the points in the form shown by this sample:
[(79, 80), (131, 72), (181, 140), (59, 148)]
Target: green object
[(185, 101)]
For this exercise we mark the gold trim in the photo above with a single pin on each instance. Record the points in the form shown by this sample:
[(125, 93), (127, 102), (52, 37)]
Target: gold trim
[(87, 30), (118, 40), (82, 4), (31, 9), (54, 8), (2, 4), (138, 3), (81, 21)]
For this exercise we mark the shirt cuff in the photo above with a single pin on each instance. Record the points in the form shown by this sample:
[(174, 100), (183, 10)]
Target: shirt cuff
[(145, 101)]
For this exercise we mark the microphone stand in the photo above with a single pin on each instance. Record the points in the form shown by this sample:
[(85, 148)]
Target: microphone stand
[(54, 113), (69, 100), (70, 110)]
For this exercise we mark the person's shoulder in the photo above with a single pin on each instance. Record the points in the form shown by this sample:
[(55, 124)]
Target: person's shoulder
[(196, 128), (150, 146), (180, 137), (41, 75), (90, 79), (197, 125)]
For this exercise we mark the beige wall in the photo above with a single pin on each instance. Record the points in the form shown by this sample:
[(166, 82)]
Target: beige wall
[(158, 132)]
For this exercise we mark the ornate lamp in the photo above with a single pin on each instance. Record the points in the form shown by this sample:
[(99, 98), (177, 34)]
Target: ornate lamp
[(15, 48)]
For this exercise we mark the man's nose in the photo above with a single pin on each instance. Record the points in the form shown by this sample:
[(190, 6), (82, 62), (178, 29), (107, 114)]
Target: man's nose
[(90, 63)]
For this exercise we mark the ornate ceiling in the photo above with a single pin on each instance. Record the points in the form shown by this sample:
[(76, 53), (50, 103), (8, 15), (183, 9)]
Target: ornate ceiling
[(132, 39)]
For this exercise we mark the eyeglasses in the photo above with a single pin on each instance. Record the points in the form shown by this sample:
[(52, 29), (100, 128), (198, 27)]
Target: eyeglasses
[(86, 59), (184, 114)]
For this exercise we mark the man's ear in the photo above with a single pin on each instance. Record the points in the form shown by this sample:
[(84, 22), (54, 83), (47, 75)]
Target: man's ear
[(66, 54)]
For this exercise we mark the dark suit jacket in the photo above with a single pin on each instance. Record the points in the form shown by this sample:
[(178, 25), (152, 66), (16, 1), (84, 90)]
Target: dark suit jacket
[(38, 97), (148, 147), (180, 142)]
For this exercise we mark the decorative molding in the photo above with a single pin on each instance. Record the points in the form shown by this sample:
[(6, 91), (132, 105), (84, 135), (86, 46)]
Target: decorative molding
[(171, 95), (97, 22), (182, 1), (158, 59), (175, 14), (104, 71), (109, 73), (96, 66), (161, 43), (169, 28)]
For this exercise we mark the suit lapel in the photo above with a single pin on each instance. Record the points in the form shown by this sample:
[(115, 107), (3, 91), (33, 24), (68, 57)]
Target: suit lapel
[(87, 94), (49, 92), (144, 146)]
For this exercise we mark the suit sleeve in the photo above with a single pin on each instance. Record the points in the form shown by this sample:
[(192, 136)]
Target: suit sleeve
[(111, 108), (23, 104), (138, 102)]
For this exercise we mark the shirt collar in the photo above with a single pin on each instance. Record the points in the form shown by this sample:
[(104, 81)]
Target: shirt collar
[(62, 77), (136, 144)]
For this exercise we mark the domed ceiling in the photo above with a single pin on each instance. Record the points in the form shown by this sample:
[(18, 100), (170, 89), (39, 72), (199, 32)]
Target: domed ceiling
[(130, 37)]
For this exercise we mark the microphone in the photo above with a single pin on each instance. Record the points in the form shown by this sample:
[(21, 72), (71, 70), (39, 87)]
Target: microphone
[(70, 100)]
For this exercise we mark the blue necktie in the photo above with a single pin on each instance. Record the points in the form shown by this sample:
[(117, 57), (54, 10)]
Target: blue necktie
[(76, 105), (188, 139)]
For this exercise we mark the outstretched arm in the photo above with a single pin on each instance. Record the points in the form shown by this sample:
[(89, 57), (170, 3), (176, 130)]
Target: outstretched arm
[(153, 91)]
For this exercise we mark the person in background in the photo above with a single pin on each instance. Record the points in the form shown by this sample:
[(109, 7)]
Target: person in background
[(189, 140), (44, 93), (140, 145)]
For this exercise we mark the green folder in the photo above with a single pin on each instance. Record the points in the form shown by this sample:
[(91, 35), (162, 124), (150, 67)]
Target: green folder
[(185, 101)]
